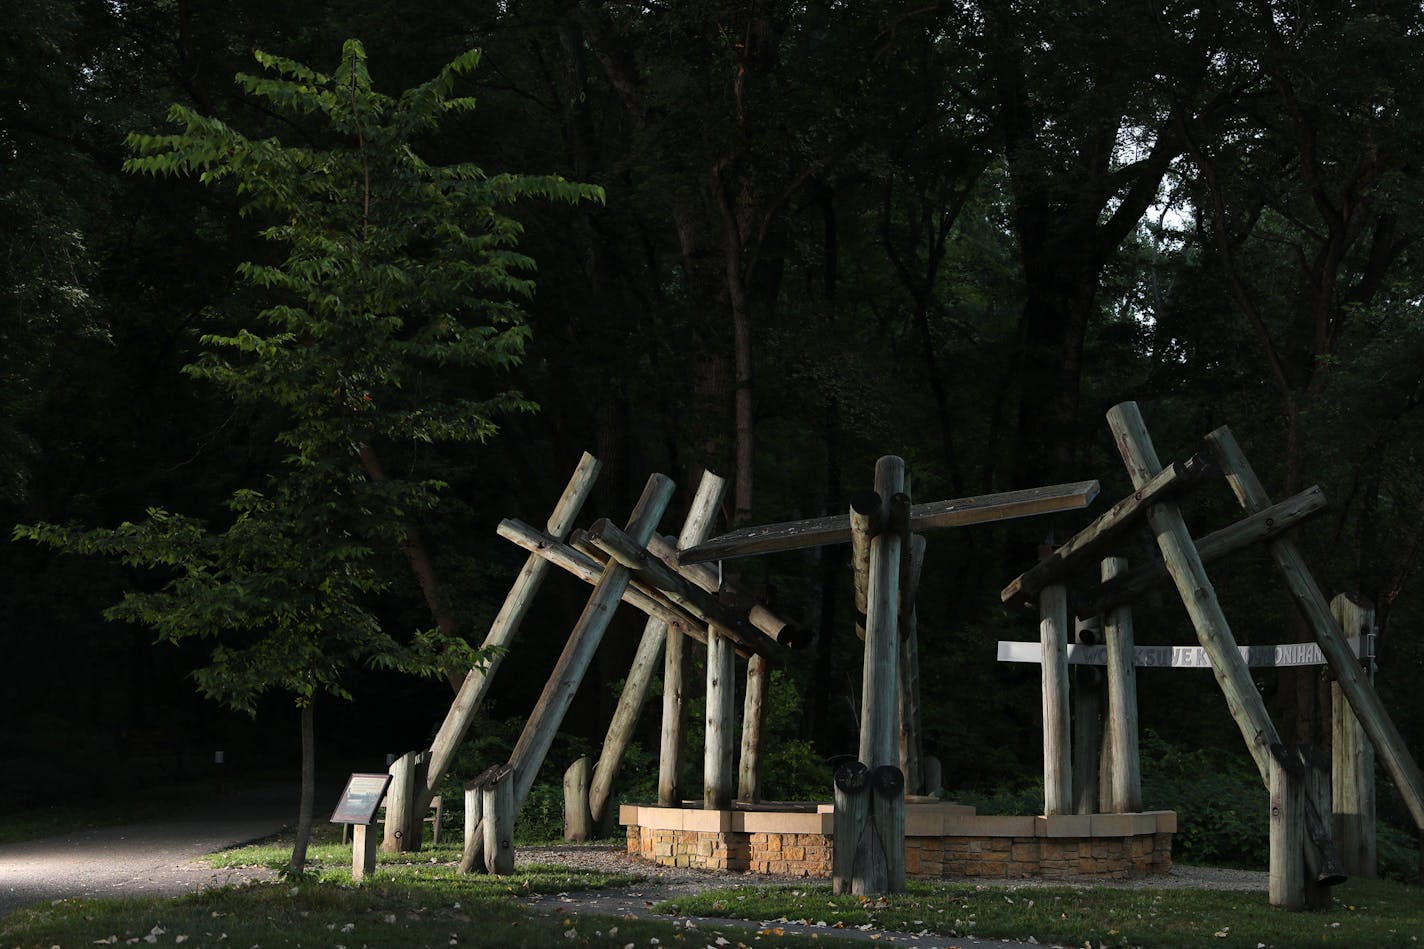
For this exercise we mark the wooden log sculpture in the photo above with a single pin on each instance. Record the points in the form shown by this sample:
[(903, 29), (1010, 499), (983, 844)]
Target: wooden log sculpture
[(868, 854)]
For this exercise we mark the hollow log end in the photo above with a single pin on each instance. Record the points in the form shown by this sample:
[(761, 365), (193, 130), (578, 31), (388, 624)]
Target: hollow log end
[(852, 776), (866, 503), (888, 780), (793, 636)]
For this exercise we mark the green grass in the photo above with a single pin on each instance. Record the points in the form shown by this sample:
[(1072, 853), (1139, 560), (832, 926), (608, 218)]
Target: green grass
[(404, 906), (1364, 914)]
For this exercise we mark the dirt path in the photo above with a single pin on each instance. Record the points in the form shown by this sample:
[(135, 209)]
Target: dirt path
[(151, 858)]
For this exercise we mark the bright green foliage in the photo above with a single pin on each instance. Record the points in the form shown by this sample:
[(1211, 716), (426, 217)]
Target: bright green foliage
[(395, 303)]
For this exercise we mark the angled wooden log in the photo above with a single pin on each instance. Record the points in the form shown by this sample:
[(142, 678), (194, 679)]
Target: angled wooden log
[(539, 730), (1213, 632), (733, 623), (589, 569), (506, 624), (786, 633), (1088, 544), (1124, 785), (1057, 750), (645, 661), (1263, 525), (1352, 760), (1364, 701), (753, 720), (817, 532)]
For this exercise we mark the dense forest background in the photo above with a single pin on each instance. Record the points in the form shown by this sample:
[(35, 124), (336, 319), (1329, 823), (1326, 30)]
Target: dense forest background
[(953, 231)]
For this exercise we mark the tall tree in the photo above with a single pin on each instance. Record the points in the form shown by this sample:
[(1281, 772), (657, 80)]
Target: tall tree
[(392, 314)]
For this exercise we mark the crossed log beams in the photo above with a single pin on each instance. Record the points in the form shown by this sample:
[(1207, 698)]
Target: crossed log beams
[(1214, 632)]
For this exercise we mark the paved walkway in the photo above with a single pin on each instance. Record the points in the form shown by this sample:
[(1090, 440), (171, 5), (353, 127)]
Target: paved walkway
[(150, 858)]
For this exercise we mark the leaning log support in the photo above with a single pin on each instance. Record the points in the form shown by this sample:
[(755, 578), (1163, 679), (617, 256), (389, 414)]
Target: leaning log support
[(1199, 597), (1356, 687), (647, 658), (506, 624), (573, 662)]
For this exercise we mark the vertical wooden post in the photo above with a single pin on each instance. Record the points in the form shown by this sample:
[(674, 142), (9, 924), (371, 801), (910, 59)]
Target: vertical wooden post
[(850, 824), (506, 624), (474, 810), (1053, 642), (403, 825), (1364, 701), (635, 687), (1125, 762), (363, 851), (753, 719), (721, 707), (498, 805), (1315, 787), (880, 686), (670, 738), (887, 821), (934, 775), (1286, 882), (543, 724), (1352, 760), (578, 820), (911, 740), (1087, 699)]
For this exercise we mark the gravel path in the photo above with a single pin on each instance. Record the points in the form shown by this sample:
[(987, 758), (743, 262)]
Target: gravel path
[(150, 858)]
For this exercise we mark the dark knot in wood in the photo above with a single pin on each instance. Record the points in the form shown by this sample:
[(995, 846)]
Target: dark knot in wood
[(888, 780)]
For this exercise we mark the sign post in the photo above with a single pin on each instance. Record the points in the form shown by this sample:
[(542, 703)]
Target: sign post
[(357, 806)]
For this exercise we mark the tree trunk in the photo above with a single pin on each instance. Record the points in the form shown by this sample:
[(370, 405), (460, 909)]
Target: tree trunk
[(304, 813)]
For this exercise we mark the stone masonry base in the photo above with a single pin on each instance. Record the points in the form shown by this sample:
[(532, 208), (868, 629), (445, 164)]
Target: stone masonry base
[(941, 841)]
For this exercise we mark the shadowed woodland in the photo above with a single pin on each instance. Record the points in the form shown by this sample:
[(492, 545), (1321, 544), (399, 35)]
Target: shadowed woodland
[(958, 232)]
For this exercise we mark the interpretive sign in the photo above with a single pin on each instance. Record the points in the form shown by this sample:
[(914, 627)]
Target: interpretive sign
[(361, 798), (1182, 657)]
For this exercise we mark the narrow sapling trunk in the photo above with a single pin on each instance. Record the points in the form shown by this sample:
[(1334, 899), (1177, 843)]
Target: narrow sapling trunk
[(308, 804)]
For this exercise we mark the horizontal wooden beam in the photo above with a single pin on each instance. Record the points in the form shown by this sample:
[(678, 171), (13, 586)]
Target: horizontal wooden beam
[(589, 570), (1260, 526), (733, 623), (1085, 548), (960, 512)]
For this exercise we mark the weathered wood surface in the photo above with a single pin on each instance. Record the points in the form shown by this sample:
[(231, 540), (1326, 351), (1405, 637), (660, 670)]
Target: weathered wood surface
[(701, 515), (786, 633), (735, 623), (1389, 745), (820, 531), (850, 822), (499, 809), (1260, 526), (1285, 885), (887, 821), (911, 738), (506, 624), (403, 827), (590, 570), (1352, 761), (1124, 762), (1088, 544), (1315, 785), (749, 769), (867, 518), (363, 851), (1086, 690), (1198, 595), (549, 711), (578, 818), (474, 810), (880, 681), (718, 737), (1057, 753), (646, 660), (1243, 701)]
